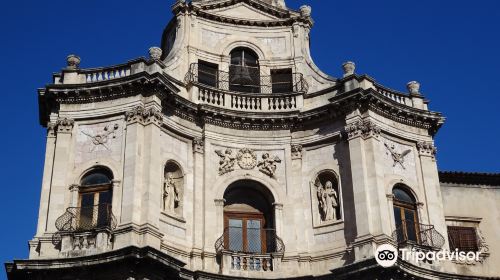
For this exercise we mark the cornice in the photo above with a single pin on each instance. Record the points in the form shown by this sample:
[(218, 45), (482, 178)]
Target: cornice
[(285, 17)]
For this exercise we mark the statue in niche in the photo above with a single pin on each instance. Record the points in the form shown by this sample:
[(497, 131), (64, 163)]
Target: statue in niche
[(268, 164), (226, 163), (327, 201), (170, 194)]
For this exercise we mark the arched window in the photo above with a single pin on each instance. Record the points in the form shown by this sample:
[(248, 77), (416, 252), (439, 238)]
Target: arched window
[(95, 199), (405, 215), (249, 219), (244, 72)]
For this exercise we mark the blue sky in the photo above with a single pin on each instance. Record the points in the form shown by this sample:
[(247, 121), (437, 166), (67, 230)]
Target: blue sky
[(450, 47)]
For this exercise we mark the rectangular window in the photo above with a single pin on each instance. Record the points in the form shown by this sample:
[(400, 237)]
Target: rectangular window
[(463, 238), (282, 80), (208, 73)]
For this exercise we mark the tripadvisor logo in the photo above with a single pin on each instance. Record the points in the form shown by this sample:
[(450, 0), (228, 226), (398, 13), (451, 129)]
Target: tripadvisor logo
[(386, 255)]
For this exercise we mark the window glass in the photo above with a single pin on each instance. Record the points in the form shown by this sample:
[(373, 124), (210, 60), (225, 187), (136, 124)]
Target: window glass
[(98, 177), (402, 195), (207, 73), (254, 236), (235, 235)]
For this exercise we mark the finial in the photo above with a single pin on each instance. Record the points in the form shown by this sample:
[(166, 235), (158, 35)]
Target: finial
[(348, 68), (73, 61), (305, 11), (155, 53), (413, 88)]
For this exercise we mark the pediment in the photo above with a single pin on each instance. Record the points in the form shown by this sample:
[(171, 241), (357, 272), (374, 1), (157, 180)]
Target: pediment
[(244, 11)]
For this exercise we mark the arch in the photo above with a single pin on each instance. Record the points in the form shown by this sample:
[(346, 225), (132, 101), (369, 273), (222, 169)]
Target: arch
[(250, 44), (408, 186), (272, 186), (86, 167), (98, 175)]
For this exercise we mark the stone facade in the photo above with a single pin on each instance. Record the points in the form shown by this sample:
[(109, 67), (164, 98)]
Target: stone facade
[(184, 149)]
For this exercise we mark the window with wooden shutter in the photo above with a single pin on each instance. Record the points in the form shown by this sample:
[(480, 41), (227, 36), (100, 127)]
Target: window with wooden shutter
[(463, 238)]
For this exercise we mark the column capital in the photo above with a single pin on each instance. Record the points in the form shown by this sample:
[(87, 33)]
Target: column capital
[(64, 125), (426, 148), (278, 206), (198, 145), (140, 114), (74, 187), (362, 128), (219, 202)]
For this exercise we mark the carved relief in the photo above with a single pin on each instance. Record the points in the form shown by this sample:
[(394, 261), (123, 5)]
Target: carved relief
[(362, 128), (172, 188), (268, 164), (226, 163), (247, 158), (99, 140), (325, 186), (296, 151), (398, 158)]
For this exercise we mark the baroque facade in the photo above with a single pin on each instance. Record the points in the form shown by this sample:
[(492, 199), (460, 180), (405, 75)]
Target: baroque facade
[(228, 154)]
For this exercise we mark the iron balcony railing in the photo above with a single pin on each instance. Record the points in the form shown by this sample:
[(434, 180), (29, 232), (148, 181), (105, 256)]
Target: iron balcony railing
[(411, 233), (262, 241), (81, 219), (247, 79)]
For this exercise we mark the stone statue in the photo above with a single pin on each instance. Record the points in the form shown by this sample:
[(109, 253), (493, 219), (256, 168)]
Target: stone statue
[(268, 165), (170, 194), (226, 163), (327, 199)]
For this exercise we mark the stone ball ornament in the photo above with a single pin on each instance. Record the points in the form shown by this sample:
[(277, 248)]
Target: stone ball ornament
[(155, 53), (73, 61), (413, 87)]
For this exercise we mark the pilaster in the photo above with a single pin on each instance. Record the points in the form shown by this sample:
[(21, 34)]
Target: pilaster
[(199, 201), (59, 185)]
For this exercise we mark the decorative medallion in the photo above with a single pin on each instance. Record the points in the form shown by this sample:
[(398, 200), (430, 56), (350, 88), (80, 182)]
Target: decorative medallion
[(247, 158)]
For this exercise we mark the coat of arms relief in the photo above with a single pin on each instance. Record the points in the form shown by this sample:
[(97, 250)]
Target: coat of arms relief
[(99, 140), (247, 159)]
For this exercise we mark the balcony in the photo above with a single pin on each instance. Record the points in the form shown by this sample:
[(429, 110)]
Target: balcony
[(244, 89), (84, 230), (417, 235), (249, 254)]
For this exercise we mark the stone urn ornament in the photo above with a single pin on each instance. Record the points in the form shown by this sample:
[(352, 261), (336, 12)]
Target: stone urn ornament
[(305, 11), (73, 61), (348, 67), (413, 87)]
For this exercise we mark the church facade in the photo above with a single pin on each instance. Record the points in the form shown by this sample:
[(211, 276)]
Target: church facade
[(228, 154)]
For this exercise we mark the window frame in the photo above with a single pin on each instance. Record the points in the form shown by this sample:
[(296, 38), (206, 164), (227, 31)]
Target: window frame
[(458, 230), (245, 216)]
